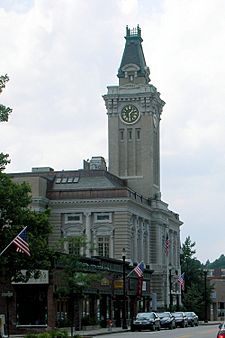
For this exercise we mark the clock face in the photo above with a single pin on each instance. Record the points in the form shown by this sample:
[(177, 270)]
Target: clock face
[(129, 114)]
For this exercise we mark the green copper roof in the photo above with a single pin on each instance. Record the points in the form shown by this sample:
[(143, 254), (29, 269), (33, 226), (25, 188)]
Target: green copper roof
[(133, 54)]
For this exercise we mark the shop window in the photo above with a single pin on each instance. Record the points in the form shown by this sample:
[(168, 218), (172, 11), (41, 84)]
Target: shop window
[(31, 306), (62, 313)]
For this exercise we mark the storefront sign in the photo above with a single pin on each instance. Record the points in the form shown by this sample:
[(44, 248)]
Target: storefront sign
[(42, 279), (7, 294), (144, 286), (118, 284), (105, 282)]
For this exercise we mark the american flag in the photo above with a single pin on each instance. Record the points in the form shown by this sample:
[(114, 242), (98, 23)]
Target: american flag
[(139, 269), (21, 242), (139, 286), (181, 280), (167, 245)]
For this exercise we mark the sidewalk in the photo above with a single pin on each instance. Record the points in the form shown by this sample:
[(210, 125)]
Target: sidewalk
[(86, 333), (100, 331)]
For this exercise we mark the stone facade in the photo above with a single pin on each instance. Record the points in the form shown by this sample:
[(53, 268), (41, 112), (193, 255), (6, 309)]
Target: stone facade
[(119, 208), (134, 142), (134, 109), (102, 207)]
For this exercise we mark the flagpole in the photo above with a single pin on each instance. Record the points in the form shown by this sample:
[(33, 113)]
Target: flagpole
[(12, 241), (167, 282)]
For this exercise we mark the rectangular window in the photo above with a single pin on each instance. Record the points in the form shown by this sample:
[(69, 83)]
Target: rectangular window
[(66, 180), (129, 134), (121, 134), (103, 246), (73, 218), (74, 249), (103, 217), (138, 134)]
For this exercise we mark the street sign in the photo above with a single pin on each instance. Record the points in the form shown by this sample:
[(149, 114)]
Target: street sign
[(7, 294)]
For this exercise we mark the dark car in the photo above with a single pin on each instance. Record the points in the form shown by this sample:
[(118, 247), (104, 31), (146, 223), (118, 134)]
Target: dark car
[(180, 319), (192, 318), (221, 332), (167, 320), (146, 321)]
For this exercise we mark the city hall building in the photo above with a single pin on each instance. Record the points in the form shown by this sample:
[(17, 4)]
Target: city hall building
[(118, 207)]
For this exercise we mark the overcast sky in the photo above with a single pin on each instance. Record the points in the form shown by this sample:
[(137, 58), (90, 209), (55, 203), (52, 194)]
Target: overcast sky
[(61, 55)]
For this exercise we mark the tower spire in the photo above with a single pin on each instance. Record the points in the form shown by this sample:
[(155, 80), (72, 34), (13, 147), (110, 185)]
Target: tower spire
[(133, 68), (135, 32)]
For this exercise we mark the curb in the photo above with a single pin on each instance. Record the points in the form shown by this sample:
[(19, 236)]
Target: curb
[(94, 334)]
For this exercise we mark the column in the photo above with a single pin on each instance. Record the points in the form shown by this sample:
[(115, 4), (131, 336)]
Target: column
[(148, 243), (142, 239), (111, 253), (135, 240), (88, 232)]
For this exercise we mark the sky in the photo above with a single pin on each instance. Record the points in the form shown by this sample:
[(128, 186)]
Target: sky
[(61, 55)]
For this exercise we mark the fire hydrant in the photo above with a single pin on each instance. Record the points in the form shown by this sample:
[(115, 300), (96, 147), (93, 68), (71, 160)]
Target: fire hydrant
[(109, 325)]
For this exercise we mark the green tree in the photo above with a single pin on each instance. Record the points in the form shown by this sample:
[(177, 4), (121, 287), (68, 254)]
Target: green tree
[(189, 264), (219, 263), (193, 297), (4, 115), (3, 161), (15, 214), (4, 111)]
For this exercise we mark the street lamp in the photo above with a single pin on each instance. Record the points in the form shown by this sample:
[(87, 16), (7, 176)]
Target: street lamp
[(205, 294), (124, 319)]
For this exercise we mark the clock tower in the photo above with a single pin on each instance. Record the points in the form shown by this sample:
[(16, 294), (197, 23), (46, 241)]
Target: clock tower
[(134, 108)]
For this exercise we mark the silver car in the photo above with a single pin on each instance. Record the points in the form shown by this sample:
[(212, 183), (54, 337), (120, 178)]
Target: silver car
[(180, 319), (192, 318)]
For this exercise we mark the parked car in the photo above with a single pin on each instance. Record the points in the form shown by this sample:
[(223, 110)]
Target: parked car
[(146, 321), (167, 320), (192, 318), (221, 332), (180, 319)]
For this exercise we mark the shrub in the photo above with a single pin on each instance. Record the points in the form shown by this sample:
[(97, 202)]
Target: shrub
[(31, 335), (49, 334)]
